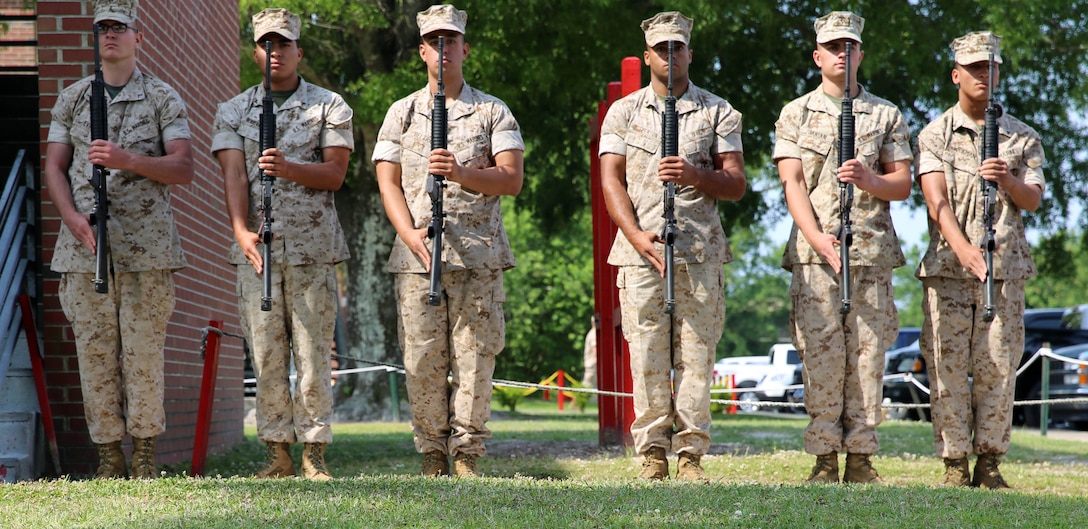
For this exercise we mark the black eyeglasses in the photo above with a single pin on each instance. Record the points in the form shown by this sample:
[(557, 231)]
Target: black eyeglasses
[(117, 28)]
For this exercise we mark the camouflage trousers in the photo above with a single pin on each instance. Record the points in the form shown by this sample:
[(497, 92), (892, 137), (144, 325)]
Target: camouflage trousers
[(299, 327), (971, 416), (460, 339), (672, 413), (119, 344), (843, 358)]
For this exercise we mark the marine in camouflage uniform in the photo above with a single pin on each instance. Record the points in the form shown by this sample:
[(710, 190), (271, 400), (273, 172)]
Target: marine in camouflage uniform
[(120, 334), (463, 334), (671, 413), (843, 356), (956, 341), (313, 143)]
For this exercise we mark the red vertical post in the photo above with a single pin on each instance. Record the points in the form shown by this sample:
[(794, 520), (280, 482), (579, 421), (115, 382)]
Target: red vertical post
[(615, 414), (207, 399), (732, 378), (559, 392)]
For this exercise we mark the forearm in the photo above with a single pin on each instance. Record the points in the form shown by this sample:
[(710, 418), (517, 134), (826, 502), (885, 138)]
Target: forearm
[(235, 188), (393, 199), (894, 184), (727, 181), (616, 199), (504, 178), (940, 210), (176, 167), (55, 175), (1025, 196), (795, 192)]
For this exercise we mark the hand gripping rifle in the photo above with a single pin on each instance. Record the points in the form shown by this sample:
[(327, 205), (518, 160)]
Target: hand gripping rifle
[(670, 147), (989, 192), (99, 175), (436, 184), (846, 191), (268, 141)]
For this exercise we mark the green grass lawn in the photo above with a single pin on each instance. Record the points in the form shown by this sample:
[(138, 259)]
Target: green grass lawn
[(544, 469)]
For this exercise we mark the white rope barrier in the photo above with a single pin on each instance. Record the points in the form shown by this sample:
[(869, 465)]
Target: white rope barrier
[(900, 377)]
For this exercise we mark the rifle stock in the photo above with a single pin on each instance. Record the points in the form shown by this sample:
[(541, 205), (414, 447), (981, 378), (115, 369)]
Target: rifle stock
[(436, 184), (846, 191), (989, 192), (670, 147), (99, 175), (268, 141)]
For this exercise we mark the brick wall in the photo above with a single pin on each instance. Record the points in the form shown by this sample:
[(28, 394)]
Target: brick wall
[(193, 46)]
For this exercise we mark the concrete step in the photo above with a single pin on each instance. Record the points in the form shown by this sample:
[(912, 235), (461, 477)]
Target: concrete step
[(17, 446)]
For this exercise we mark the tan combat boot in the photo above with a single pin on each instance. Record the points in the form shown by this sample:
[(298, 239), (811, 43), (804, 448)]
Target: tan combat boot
[(143, 458), (654, 464), (859, 469), (826, 469), (688, 468), (313, 462), (956, 473), (987, 476), (435, 464), (111, 462), (280, 464), (464, 466)]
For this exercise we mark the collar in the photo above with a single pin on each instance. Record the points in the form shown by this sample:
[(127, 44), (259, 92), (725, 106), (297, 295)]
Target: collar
[(819, 102), (301, 97), (464, 105), (690, 101)]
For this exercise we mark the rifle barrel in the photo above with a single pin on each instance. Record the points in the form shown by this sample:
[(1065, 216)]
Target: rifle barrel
[(670, 147), (436, 184), (268, 141), (99, 174), (989, 191), (846, 191)]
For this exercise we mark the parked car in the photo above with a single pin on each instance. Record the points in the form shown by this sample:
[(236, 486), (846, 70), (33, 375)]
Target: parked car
[(751, 372), (906, 336), (897, 363), (746, 370), (1067, 380), (1057, 327), (779, 375)]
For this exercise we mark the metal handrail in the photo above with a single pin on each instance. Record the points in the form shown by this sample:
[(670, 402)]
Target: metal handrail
[(13, 245)]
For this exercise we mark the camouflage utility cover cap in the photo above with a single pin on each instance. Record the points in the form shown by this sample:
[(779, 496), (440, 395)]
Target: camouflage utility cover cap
[(123, 11), (977, 47), (441, 17), (838, 25), (278, 21), (663, 27)]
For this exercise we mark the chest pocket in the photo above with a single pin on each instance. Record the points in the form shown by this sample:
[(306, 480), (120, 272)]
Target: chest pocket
[(1014, 157), (815, 148), (474, 152), (695, 147), (250, 130), (414, 142), (641, 139)]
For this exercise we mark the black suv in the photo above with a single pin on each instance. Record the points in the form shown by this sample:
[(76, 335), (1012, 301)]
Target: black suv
[(1057, 327)]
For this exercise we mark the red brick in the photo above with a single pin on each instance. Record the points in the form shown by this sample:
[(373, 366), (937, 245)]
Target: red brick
[(60, 8)]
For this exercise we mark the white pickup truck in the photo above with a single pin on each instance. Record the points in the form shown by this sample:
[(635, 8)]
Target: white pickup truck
[(763, 377)]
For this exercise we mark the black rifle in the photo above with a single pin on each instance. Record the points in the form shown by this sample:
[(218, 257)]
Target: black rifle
[(436, 184), (846, 191), (989, 192), (99, 175), (268, 141), (670, 147)]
